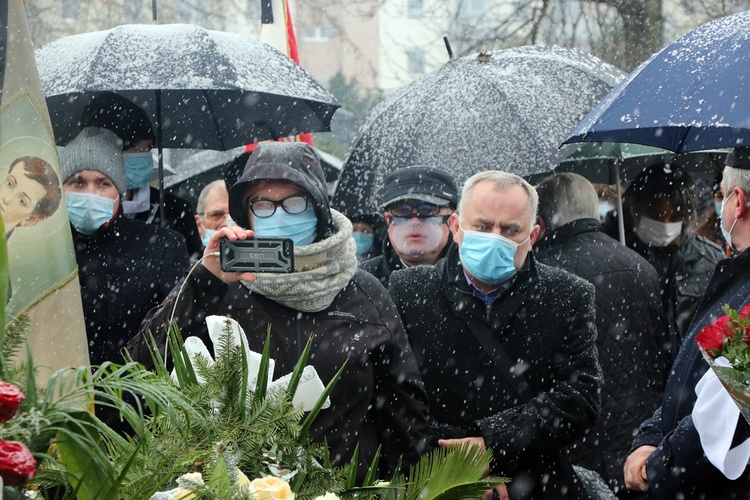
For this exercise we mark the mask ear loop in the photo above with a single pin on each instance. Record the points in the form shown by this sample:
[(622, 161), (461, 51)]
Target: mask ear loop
[(177, 298)]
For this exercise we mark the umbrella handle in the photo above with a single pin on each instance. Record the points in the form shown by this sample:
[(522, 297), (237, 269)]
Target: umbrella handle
[(615, 167)]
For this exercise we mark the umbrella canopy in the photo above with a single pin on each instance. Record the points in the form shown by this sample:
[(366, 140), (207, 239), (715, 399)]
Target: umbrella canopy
[(202, 89), (508, 110), (615, 162), (691, 96)]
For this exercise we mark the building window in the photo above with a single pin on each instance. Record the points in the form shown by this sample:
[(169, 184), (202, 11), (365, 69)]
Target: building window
[(414, 9), (252, 10), (132, 9), (315, 33), (469, 10), (71, 9), (194, 11), (415, 61)]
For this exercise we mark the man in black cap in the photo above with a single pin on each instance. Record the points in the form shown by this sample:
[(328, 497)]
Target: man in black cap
[(417, 201), (668, 457)]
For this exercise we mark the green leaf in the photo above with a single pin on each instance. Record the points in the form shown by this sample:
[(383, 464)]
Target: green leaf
[(80, 448), (220, 482), (261, 385), (298, 368), (351, 469), (372, 471), (310, 418), (3, 282)]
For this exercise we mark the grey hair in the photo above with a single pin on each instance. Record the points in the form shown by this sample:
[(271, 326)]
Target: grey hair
[(736, 177), (501, 180), (206, 191), (566, 197)]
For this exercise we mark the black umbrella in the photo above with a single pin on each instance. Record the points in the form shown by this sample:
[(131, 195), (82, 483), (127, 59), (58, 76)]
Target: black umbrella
[(508, 111), (202, 89)]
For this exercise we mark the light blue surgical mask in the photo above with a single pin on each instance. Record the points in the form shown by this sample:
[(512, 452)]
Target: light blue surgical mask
[(364, 242), (301, 228), (209, 233), (488, 256), (138, 168), (727, 234), (88, 212)]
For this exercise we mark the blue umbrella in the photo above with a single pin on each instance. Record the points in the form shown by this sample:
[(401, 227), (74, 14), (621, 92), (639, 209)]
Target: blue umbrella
[(691, 96)]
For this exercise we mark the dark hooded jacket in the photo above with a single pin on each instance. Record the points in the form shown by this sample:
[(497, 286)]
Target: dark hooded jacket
[(630, 338), (679, 468), (380, 399), (544, 320)]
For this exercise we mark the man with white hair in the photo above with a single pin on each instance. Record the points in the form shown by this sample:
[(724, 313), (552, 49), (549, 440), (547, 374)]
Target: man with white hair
[(630, 327), (506, 346), (667, 457), (213, 209)]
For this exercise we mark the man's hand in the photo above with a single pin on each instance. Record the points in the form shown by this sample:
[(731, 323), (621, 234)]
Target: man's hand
[(476, 441), (502, 493), (501, 489), (635, 468), (213, 263)]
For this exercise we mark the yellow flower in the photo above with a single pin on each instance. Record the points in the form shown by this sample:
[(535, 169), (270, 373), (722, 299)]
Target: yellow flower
[(184, 493), (270, 488), (328, 496), (242, 479)]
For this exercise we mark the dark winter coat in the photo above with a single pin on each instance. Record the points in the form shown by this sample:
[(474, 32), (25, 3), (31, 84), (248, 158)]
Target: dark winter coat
[(125, 269), (180, 217), (630, 336), (678, 468), (388, 261), (380, 399), (545, 320), (684, 272)]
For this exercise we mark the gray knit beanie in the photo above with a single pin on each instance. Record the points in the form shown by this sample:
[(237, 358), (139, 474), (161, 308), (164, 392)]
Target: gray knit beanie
[(95, 149)]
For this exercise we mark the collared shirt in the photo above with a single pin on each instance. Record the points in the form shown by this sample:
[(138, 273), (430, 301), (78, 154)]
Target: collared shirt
[(490, 297)]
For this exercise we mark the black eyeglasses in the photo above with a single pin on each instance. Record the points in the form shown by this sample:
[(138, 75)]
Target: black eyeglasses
[(413, 209), (266, 208)]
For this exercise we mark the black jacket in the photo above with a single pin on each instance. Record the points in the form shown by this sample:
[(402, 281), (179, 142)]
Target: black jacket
[(678, 468), (545, 321), (684, 272), (125, 269), (180, 217), (380, 398), (630, 338)]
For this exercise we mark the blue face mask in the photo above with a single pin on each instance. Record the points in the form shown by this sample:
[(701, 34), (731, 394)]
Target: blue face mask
[(726, 233), (301, 228), (364, 242), (138, 168), (488, 256), (88, 212), (209, 233)]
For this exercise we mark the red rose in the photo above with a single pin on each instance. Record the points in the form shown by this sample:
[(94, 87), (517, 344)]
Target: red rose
[(17, 465), (712, 336), (10, 400), (745, 311)]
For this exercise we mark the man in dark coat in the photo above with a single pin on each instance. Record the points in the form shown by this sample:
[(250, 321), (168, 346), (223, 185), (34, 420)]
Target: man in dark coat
[(667, 458), (506, 346), (417, 201), (630, 330), (380, 399), (141, 201), (125, 267)]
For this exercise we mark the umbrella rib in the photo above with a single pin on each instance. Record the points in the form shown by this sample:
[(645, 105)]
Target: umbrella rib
[(214, 118)]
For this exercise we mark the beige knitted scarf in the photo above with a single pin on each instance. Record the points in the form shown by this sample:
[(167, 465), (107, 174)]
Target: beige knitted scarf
[(321, 270)]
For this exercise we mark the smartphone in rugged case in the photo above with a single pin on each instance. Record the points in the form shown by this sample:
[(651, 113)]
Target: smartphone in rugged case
[(257, 255)]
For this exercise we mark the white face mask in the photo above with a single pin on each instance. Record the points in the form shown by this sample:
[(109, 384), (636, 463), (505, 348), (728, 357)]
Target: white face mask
[(657, 233), (415, 237)]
